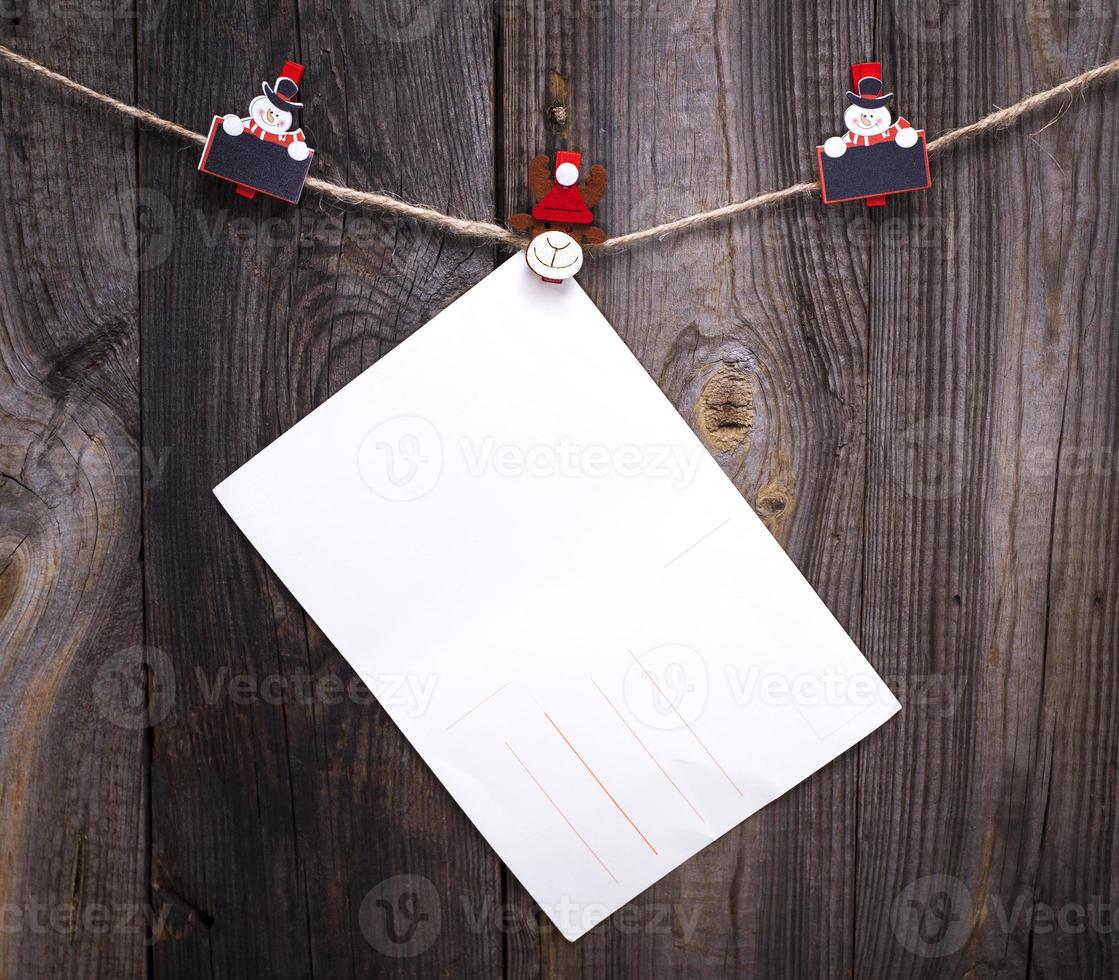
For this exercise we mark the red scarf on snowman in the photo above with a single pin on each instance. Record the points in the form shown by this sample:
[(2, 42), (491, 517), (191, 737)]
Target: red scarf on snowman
[(889, 136), (253, 129)]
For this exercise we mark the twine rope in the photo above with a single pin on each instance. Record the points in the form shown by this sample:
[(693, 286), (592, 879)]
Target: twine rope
[(488, 231)]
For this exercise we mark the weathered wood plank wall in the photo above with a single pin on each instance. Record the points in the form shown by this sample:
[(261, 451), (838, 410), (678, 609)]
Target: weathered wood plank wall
[(922, 404), (73, 763)]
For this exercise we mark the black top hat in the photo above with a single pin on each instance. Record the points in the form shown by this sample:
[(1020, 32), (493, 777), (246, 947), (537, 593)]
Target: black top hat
[(281, 96), (870, 94)]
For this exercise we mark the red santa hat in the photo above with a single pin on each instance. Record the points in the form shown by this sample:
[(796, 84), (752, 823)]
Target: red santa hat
[(564, 201)]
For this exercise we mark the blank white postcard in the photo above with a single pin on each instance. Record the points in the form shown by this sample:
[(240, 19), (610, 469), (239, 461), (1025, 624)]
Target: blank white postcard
[(556, 593)]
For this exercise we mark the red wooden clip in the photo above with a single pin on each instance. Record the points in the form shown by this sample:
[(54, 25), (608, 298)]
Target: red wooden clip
[(261, 153), (561, 217), (875, 158)]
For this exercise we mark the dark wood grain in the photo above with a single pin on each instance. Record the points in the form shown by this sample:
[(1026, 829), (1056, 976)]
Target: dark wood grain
[(922, 405), (984, 397), (273, 819), (989, 354), (72, 665)]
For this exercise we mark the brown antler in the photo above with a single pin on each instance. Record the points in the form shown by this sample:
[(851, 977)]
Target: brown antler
[(540, 176), (595, 186)]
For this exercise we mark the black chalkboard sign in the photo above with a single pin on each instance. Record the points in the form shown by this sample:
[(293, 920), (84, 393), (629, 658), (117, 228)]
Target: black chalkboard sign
[(871, 171), (254, 163)]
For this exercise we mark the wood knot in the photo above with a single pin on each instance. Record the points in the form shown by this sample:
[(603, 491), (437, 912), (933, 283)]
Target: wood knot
[(560, 98), (774, 506), (725, 410)]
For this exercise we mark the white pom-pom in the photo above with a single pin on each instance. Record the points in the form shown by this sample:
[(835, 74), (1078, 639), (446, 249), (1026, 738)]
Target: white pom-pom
[(232, 125), (567, 174), (298, 150), (907, 137), (834, 146)]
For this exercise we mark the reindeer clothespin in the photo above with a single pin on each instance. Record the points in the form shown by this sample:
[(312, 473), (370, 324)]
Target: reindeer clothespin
[(561, 218), (875, 157)]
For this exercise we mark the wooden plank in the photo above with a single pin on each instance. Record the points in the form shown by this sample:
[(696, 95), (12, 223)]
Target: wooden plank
[(992, 563), (1078, 729), (950, 366), (72, 664), (756, 331), (276, 821)]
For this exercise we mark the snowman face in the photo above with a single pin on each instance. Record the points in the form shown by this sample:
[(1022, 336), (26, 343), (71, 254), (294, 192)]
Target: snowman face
[(867, 122), (268, 117)]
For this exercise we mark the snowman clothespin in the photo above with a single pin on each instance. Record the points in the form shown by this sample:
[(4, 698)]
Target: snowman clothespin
[(261, 152), (875, 157), (561, 218)]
